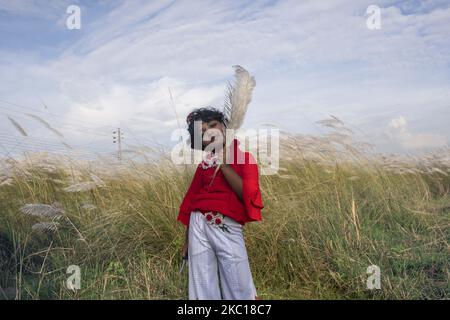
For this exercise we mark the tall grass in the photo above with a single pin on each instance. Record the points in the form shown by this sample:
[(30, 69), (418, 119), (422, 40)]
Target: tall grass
[(333, 209)]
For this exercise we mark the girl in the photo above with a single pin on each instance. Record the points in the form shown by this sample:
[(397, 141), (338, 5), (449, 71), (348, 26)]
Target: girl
[(222, 197)]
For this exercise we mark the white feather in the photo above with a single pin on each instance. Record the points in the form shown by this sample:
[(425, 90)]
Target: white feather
[(239, 96)]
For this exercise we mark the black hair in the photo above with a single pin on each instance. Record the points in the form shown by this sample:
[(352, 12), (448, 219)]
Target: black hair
[(204, 114)]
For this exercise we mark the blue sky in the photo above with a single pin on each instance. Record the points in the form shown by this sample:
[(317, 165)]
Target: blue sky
[(310, 59)]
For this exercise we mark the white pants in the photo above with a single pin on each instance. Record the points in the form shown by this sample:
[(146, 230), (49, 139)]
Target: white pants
[(218, 261)]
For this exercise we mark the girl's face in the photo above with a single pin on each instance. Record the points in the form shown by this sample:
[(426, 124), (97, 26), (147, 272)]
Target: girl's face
[(213, 124)]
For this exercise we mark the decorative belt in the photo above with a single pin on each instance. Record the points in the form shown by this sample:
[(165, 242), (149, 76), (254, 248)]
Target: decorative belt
[(216, 219)]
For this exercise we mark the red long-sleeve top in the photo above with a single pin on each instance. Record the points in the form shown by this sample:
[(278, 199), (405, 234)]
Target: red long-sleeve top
[(219, 196)]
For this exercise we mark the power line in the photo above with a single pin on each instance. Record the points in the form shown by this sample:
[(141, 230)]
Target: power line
[(46, 113), (75, 128), (18, 149), (21, 148), (65, 124), (42, 145), (61, 124), (134, 136), (71, 126), (36, 141), (81, 124), (38, 144), (139, 140), (22, 145), (32, 140)]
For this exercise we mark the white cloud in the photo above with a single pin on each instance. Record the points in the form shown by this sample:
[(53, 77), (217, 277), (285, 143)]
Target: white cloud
[(411, 140), (37, 9), (399, 124), (310, 59)]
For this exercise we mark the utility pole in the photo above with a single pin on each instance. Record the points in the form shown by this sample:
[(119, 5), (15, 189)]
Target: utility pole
[(117, 138)]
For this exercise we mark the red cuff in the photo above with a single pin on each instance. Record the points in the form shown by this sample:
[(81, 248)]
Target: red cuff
[(184, 218), (253, 205), (184, 212), (256, 200)]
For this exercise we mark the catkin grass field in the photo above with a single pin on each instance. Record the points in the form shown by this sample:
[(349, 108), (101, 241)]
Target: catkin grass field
[(333, 209)]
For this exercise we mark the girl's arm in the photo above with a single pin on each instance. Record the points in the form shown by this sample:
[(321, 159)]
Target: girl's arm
[(233, 178), (247, 187), (230, 175), (185, 210)]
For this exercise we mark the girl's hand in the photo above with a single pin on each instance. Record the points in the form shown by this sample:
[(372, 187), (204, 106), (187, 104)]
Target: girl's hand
[(223, 155), (184, 255), (184, 250)]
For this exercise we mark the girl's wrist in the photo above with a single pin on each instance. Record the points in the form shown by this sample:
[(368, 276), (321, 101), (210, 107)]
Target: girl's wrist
[(224, 165)]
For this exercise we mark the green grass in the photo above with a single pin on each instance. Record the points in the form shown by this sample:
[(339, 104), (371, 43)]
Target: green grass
[(310, 244)]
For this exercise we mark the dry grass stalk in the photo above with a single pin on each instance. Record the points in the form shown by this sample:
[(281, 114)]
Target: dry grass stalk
[(355, 220)]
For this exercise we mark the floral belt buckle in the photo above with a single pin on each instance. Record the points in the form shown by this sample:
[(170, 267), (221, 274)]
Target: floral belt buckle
[(216, 219)]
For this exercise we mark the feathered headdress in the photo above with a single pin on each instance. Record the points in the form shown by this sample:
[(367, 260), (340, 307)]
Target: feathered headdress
[(238, 98)]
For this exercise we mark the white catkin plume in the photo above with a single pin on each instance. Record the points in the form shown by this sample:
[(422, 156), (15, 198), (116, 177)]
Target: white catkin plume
[(46, 124), (42, 210), (45, 226), (88, 206), (439, 171), (287, 176), (339, 137), (18, 127), (239, 95), (80, 187), (66, 145), (332, 123), (337, 119), (58, 181), (6, 182), (98, 182)]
